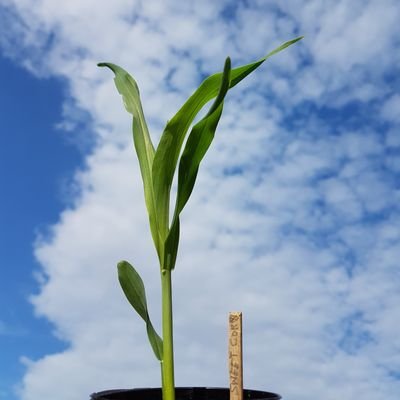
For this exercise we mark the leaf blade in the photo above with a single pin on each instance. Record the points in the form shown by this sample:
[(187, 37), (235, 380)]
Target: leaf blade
[(168, 150), (128, 89), (196, 147), (133, 288)]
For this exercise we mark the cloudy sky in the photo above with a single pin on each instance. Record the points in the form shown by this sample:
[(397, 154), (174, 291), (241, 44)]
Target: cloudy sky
[(294, 219)]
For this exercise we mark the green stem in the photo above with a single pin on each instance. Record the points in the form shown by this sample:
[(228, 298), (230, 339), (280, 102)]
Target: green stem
[(168, 383)]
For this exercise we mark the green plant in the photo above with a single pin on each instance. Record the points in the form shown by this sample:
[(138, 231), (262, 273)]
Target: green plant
[(157, 168)]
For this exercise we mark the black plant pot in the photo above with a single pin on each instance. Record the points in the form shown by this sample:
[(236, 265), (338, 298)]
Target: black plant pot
[(182, 393)]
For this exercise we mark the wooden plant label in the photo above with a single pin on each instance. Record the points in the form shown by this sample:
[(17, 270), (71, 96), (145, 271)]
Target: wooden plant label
[(235, 356)]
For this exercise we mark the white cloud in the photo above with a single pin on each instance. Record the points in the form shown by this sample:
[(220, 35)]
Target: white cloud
[(276, 223), (351, 44)]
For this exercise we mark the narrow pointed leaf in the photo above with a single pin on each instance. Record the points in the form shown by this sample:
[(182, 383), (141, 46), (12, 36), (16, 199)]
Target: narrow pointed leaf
[(168, 150), (129, 91), (198, 143), (134, 290), (196, 147)]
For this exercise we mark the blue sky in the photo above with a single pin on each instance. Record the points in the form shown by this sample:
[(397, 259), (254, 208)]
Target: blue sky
[(294, 218), (35, 161), (35, 157)]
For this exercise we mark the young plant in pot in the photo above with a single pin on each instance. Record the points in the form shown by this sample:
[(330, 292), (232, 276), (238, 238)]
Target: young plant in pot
[(157, 167)]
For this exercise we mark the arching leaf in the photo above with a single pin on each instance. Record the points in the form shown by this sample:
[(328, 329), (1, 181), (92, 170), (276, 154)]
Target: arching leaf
[(134, 290), (169, 148)]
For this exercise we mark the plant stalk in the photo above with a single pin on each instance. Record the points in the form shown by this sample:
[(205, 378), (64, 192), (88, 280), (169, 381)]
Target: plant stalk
[(168, 381)]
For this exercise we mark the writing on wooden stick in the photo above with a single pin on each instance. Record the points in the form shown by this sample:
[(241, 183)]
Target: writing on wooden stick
[(235, 357)]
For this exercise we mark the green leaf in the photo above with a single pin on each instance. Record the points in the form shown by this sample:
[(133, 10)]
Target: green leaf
[(196, 147), (169, 148), (129, 91), (133, 287)]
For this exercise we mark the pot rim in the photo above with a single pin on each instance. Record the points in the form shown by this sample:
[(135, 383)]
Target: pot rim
[(252, 394)]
